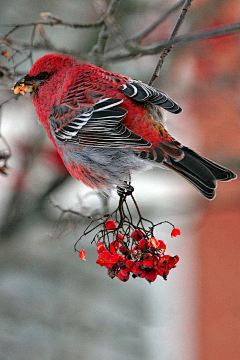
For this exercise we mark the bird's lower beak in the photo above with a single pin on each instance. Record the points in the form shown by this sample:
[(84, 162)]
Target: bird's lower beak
[(24, 84)]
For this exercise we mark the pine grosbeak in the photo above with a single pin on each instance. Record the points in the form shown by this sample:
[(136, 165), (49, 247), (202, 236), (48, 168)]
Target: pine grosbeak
[(105, 125)]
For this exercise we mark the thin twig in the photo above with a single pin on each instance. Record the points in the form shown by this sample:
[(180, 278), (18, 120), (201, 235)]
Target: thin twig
[(51, 23), (144, 32), (33, 35), (8, 100), (11, 31), (112, 8), (66, 211), (169, 45), (209, 34), (29, 56)]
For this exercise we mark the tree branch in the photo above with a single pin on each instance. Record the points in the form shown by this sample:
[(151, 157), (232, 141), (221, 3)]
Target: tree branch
[(112, 8), (144, 32), (99, 48), (132, 42), (51, 23), (169, 44), (153, 49)]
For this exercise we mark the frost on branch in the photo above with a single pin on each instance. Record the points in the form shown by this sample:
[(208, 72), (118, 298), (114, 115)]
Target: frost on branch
[(126, 247)]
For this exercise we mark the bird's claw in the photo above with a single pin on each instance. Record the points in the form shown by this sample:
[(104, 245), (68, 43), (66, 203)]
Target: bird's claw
[(125, 189)]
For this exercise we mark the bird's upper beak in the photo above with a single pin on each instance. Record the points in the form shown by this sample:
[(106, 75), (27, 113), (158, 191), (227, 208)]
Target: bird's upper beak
[(24, 84)]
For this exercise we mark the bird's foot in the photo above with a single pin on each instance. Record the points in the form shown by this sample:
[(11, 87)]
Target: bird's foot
[(125, 189)]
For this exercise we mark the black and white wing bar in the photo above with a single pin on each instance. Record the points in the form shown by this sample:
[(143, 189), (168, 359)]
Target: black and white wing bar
[(142, 92), (99, 125), (63, 114)]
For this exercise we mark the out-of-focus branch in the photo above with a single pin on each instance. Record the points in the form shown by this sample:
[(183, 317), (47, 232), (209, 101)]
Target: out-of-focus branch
[(50, 20), (112, 8), (126, 50), (5, 151), (20, 208), (99, 48), (184, 39), (133, 41), (137, 37), (209, 34), (51, 23), (20, 47)]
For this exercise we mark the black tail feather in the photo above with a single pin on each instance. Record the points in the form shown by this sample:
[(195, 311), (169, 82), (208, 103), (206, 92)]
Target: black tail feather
[(208, 192), (221, 173), (200, 172)]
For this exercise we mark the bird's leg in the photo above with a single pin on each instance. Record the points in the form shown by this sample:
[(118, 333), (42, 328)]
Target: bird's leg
[(126, 189)]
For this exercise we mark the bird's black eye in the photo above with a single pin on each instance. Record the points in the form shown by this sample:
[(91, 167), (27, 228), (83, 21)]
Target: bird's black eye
[(43, 76)]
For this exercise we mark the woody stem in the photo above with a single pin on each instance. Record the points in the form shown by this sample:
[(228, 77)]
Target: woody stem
[(168, 47)]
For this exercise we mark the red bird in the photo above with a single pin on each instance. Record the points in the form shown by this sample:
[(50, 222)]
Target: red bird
[(105, 125)]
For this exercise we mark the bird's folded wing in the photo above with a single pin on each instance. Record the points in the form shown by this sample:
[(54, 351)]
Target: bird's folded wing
[(99, 125), (145, 93)]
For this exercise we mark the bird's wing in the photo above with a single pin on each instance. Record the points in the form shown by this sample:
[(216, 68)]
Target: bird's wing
[(99, 125), (145, 93)]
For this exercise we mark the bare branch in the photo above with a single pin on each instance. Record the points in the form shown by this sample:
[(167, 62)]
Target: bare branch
[(132, 42), (20, 46), (99, 47), (112, 8), (209, 34), (144, 32), (65, 211), (50, 23), (5, 102), (5, 150), (155, 48), (169, 45)]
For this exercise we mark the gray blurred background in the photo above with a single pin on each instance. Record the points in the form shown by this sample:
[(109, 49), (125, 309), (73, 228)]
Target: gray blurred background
[(54, 306)]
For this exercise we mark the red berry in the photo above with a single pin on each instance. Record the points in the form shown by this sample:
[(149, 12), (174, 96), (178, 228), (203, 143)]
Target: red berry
[(123, 249), (82, 255), (161, 245), (121, 258), (137, 235), (143, 244), (143, 274), (122, 275), (137, 271), (175, 232), (100, 248), (101, 262), (130, 264), (147, 263), (114, 259), (151, 275), (153, 242), (105, 255), (110, 224)]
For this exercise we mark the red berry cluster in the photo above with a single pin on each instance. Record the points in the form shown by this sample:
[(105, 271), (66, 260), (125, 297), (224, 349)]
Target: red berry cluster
[(140, 257)]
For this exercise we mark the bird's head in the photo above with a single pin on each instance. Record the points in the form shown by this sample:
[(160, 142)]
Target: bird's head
[(41, 72)]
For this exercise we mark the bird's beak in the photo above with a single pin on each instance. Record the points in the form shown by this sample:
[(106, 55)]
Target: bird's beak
[(24, 84)]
